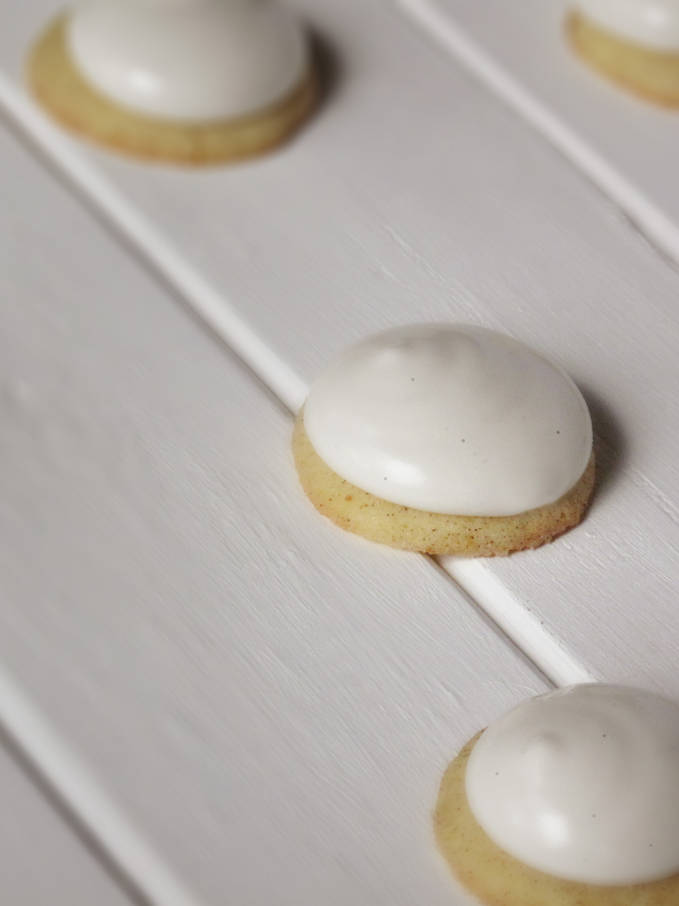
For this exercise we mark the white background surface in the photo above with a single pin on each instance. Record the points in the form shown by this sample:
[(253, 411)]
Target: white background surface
[(624, 145), (262, 704)]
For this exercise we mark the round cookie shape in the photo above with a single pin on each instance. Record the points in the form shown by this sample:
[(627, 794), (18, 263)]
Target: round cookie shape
[(583, 784), (451, 419), (651, 23), (189, 60)]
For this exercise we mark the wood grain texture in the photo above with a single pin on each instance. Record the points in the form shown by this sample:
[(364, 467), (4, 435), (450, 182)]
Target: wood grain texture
[(415, 195), (43, 862), (271, 701)]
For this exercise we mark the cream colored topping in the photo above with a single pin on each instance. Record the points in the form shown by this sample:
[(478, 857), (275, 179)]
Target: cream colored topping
[(188, 59), (583, 784), (451, 419)]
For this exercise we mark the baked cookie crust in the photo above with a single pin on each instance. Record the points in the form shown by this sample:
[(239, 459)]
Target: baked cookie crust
[(411, 529)]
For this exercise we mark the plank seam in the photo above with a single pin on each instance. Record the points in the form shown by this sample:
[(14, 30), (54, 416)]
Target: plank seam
[(140, 872), (643, 216), (85, 800), (212, 306), (96, 192), (516, 621)]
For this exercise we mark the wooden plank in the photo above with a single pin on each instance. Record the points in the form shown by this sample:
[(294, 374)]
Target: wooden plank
[(415, 195), (43, 862), (269, 700), (624, 145)]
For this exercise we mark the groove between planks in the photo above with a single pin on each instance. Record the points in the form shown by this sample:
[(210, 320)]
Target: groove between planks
[(184, 700), (660, 231), (143, 875), (552, 659)]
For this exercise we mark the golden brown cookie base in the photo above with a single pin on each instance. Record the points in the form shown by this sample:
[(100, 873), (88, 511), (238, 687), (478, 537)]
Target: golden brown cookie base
[(432, 533), (59, 87), (650, 73), (499, 879)]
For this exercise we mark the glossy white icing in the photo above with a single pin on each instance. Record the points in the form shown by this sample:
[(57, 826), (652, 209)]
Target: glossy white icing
[(188, 59), (583, 783), (450, 419), (652, 23)]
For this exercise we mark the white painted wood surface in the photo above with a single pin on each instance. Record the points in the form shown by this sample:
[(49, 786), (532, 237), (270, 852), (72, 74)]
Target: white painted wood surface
[(263, 702), (268, 700), (416, 195), (43, 862), (625, 145)]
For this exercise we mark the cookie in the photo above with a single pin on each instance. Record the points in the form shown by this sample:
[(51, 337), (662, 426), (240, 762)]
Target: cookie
[(646, 71), (66, 95), (446, 439), (411, 529), (537, 762)]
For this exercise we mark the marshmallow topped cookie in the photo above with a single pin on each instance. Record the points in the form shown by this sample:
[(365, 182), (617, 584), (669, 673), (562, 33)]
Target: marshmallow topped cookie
[(571, 799), (446, 439), (186, 80), (633, 42)]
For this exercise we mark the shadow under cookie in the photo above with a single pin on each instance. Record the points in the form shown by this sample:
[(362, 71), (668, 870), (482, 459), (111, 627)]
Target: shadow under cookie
[(60, 88)]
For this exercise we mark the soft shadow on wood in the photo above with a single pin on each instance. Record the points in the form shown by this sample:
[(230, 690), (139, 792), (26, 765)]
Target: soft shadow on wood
[(610, 443), (328, 67)]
